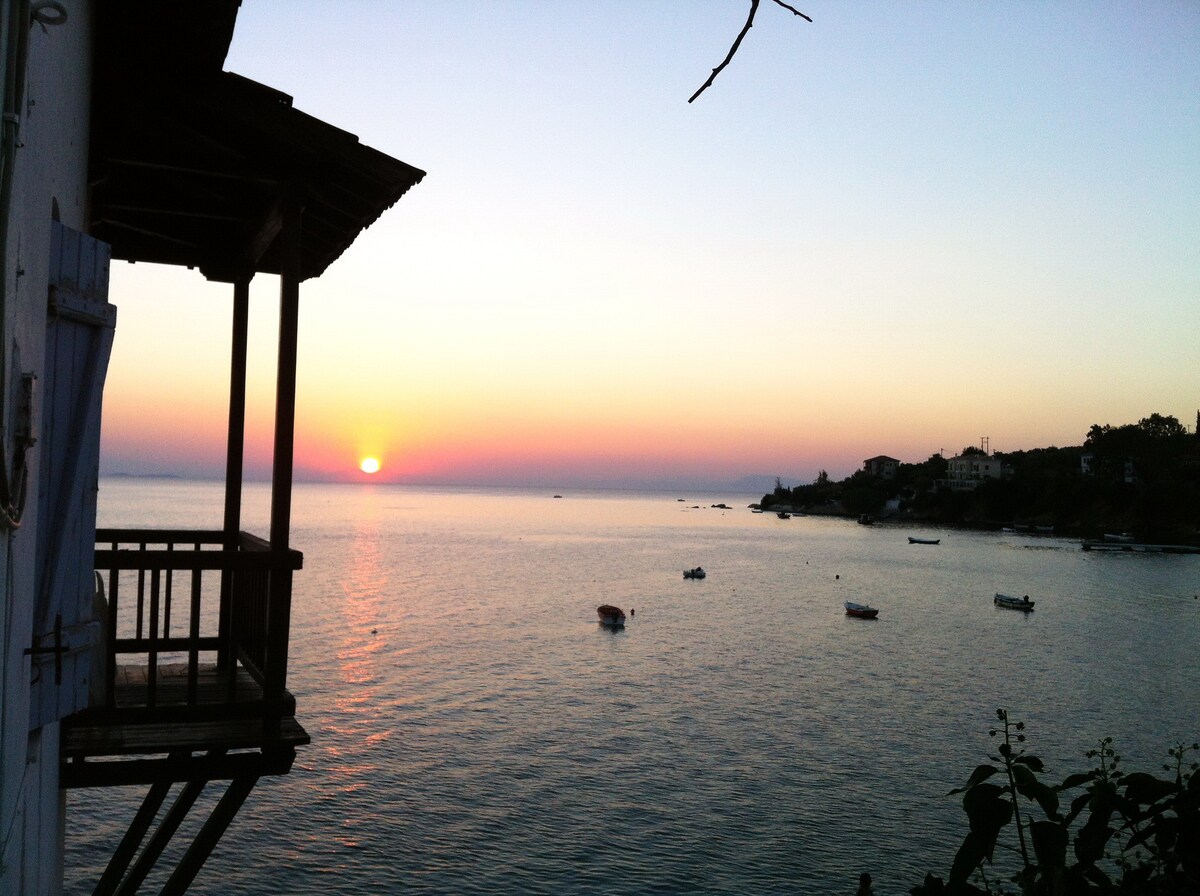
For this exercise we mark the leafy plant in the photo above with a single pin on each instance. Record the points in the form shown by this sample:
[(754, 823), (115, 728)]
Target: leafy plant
[(1102, 831)]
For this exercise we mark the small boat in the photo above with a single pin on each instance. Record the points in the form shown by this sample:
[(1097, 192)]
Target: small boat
[(912, 540), (697, 573), (1023, 604), (611, 616), (861, 611), (783, 515), (866, 520)]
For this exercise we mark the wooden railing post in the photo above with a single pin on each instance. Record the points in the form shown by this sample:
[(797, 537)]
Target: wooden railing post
[(179, 611)]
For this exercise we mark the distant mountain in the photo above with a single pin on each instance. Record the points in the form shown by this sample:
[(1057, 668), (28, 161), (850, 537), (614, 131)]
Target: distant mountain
[(122, 474), (752, 487)]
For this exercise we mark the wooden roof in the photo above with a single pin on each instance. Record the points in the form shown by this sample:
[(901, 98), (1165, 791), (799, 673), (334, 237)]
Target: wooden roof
[(191, 165)]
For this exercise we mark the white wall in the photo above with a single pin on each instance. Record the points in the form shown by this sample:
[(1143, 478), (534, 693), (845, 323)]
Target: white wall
[(51, 164)]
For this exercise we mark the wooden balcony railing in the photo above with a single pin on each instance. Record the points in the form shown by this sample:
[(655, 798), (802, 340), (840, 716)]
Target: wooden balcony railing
[(197, 624)]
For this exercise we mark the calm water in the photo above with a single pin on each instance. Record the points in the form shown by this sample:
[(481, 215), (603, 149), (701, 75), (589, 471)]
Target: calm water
[(741, 735)]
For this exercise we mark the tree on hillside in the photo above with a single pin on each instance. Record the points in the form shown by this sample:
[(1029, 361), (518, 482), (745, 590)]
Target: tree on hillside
[(1156, 426), (1155, 446), (1045, 486)]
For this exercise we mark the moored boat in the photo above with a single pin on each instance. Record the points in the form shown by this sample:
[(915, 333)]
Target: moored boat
[(613, 617), (861, 611), (912, 540), (697, 573), (1013, 603)]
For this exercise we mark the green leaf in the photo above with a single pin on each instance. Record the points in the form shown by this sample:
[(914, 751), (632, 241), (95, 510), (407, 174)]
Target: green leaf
[(981, 773), (1049, 844), (1076, 780), (1097, 877), (1023, 776), (1046, 796), (1144, 789), (987, 811), (969, 857), (1077, 805), (1032, 761), (1092, 837)]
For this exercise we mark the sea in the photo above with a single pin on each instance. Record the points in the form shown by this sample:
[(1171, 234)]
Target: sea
[(476, 731)]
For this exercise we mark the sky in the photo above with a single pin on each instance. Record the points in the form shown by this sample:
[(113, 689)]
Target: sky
[(897, 229)]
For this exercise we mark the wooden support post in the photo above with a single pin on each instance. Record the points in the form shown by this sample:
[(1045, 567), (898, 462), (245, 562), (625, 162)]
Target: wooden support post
[(161, 837), (236, 443), (278, 626), (234, 459), (207, 837), (285, 382), (119, 863), (280, 589)]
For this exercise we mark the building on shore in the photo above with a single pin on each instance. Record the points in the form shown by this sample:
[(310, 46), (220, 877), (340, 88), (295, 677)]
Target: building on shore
[(882, 466), (141, 657), (966, 471)]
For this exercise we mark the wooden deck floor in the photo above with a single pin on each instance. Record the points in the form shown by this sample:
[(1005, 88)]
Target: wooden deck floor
[(213, 689), (174, 739)]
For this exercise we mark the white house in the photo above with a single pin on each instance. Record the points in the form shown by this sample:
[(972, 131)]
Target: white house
[(966, 471), (123, 138)]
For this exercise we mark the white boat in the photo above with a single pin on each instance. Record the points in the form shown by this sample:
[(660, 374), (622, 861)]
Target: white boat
[(861, 611), (1014, 603), (697, 573), (613, 617)]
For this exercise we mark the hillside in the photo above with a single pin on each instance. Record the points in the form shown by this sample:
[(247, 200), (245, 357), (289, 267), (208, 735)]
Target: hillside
[(1142, 478)]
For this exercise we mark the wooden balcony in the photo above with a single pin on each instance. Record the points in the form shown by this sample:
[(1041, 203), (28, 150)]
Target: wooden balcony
[(189, 684)]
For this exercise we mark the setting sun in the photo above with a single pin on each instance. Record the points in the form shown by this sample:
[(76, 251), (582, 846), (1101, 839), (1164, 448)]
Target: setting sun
[(369, 465)]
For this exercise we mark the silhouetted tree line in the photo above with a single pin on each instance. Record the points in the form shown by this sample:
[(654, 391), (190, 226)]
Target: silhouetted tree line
[(1140, 477)]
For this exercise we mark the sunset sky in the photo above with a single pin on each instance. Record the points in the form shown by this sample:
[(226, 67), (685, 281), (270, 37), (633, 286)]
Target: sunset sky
[(895, 230)]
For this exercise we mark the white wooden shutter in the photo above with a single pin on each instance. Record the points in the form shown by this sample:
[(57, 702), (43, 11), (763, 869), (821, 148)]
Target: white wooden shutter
[(79, 332)]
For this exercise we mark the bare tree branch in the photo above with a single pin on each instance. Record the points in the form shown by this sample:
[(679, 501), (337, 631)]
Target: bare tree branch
[(738, 42), (793, 10)]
